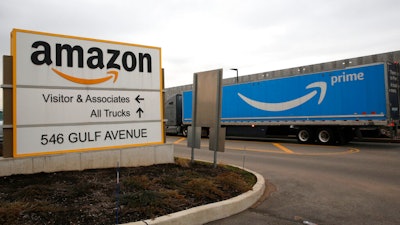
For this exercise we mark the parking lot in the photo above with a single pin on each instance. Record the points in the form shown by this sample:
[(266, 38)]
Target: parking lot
[(353, 184)]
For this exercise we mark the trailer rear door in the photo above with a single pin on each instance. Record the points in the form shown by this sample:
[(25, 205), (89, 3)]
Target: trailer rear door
[(393, 90)]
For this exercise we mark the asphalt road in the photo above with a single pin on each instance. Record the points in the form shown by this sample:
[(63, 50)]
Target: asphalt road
[(354, 184)]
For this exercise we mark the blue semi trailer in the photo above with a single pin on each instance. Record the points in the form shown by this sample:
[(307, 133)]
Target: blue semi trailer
[(326, 107)]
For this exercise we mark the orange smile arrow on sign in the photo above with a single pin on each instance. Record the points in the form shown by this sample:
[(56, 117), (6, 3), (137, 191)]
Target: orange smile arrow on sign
[(77, 80)]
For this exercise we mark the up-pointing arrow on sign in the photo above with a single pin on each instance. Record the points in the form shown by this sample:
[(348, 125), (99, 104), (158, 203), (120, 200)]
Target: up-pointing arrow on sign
[(138, 99), (140, 111)]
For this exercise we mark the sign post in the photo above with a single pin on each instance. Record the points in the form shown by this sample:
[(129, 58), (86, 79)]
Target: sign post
[(207, 95)]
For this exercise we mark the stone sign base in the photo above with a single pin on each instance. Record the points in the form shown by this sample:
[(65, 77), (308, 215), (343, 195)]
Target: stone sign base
[(127, 157)]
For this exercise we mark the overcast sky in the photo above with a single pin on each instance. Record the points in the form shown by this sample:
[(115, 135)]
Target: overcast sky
[(199, 35)]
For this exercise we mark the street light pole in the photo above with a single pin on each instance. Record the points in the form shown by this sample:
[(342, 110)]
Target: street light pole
[(237, 74)]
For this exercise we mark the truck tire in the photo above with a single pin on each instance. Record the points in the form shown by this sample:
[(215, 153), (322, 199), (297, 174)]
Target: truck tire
[(305, 136), (326, 136)]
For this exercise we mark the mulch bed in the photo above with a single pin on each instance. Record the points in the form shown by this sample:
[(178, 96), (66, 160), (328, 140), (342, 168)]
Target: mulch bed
[(93, 196)]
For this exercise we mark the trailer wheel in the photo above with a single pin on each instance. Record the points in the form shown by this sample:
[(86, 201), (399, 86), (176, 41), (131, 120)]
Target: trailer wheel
[(326, 136), (305, 135)]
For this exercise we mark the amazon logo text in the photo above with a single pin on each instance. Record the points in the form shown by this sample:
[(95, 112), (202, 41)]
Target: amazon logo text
[(93, 58)]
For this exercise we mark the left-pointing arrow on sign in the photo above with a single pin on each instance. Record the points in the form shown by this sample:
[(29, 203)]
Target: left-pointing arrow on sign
[(138, 99), (140, 111)]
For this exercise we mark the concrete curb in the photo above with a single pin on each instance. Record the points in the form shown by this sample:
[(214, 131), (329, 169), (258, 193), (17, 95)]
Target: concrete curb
[(211, 212)]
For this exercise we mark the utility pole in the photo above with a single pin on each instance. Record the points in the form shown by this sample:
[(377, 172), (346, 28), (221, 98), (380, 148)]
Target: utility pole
[(237, 74)]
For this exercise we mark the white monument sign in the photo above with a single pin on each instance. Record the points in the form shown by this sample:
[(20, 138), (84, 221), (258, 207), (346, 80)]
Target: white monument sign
[(79, 94)]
